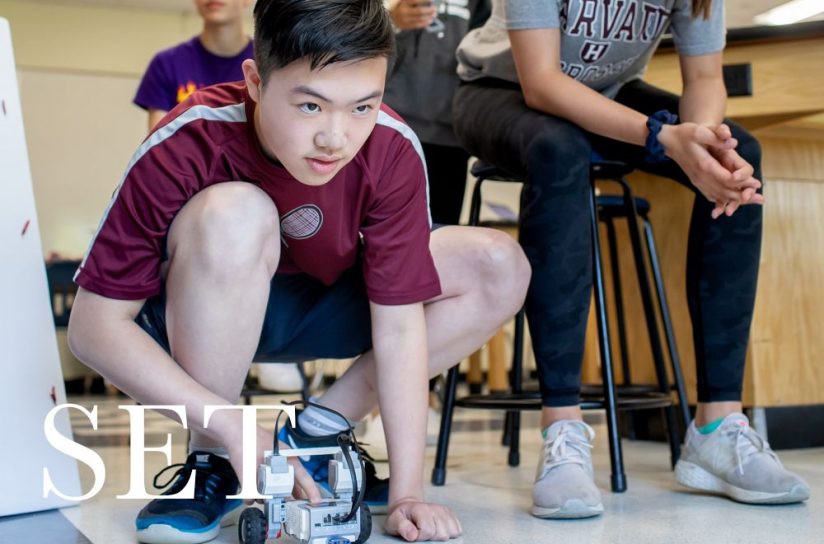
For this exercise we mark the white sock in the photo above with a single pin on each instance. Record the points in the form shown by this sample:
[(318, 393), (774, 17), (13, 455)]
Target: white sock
[(318, 422)]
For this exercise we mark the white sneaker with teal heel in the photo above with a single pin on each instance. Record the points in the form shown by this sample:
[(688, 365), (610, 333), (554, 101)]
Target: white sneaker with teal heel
[(735, 461)]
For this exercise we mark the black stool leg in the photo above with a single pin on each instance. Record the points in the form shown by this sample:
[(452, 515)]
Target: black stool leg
[(475, 204), (652, 321), (618, 297), (506, 436), (517, 387), (619, 300), (304, 381), (675, 360), (510, 416), (439, 471), (618, 478)]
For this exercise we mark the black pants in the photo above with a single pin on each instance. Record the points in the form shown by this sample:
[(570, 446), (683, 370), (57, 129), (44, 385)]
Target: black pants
[(446, 168), (494, 124)]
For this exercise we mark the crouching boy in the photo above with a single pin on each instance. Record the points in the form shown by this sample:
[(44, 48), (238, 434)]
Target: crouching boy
[(285, 217)]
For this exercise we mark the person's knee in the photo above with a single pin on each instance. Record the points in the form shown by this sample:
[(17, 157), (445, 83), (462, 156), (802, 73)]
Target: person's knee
[(748, 147), (560, 143), (505, 269), (234, 229)]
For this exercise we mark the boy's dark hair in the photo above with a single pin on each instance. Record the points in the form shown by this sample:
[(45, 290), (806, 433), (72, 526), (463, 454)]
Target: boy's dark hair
[(325, 31)]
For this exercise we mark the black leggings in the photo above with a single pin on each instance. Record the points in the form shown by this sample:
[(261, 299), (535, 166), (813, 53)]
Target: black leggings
[(494, 124), (446, 168)]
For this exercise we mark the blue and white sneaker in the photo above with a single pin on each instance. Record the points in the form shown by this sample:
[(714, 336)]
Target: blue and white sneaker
[(377, 490), (192, 521)]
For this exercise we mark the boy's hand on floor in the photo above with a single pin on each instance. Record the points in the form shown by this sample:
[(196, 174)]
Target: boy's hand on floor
[(415, 520)]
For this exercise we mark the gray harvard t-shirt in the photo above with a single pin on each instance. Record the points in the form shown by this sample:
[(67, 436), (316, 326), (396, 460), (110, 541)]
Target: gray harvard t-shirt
[(604, 43)]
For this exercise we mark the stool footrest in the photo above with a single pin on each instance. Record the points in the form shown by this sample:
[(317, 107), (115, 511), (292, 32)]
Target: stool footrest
[(531, 400)]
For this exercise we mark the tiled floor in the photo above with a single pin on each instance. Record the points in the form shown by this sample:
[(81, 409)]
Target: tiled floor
[(491, 498)]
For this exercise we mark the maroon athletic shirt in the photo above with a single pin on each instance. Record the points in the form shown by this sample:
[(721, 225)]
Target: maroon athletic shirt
[(377, 203)]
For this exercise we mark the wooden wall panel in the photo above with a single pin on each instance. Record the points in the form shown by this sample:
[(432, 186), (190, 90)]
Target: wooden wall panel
[(784, 80), (787, 343), (798, 159)]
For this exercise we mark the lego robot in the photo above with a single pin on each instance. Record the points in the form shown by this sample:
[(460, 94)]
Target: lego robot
[(342, 519)]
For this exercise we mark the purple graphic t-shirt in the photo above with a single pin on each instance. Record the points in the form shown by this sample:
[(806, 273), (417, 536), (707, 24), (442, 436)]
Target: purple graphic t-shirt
[(177, 72)]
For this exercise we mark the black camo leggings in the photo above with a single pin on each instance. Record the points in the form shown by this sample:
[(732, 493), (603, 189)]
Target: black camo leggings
[(493, 123)]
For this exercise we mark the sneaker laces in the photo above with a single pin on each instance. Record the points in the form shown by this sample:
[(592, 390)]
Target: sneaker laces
[(208, 483), (749, 443), (567, 448)]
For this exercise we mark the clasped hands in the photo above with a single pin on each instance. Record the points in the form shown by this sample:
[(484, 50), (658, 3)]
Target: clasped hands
[(708, 156)]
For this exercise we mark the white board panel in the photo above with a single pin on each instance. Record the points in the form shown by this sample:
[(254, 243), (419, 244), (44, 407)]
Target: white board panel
[(31, 383), (82, 129)]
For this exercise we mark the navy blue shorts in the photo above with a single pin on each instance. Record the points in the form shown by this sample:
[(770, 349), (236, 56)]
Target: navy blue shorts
[(305, 319)]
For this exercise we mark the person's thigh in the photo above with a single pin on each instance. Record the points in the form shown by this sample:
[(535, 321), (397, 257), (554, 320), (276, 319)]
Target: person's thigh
[(477, 258), (221, 233), (495, 125)]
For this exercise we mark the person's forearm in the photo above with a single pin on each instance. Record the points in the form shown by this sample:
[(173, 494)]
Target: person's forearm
[(546, 88), (559, 95), (704, 101), (399, 336)]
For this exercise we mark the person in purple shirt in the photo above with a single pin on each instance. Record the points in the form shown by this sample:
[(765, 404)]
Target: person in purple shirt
[(214, 56)]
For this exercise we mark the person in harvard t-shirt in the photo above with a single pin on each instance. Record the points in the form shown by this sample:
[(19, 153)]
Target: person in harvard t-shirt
[(285, 216), (214, 56)]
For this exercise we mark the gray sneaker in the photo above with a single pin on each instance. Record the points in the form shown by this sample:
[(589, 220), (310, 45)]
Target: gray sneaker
[(563, 486), (735, 461)]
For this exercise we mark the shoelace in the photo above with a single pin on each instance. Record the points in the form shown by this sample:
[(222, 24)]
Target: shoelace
[(207, 486), (747, 444), (568, 448)]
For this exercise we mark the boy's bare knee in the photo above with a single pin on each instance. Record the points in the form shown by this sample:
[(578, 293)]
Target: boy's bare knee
[(504, 267), (231, 226)]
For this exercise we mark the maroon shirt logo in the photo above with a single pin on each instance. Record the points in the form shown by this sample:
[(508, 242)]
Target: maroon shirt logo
[(302, 222)]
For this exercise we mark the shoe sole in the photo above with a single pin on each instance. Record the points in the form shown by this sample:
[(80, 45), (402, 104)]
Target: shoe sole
[(166, 534), (695, 477), (572, 509)]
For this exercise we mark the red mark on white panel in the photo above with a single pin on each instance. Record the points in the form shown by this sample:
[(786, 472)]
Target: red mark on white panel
[(25, 227)]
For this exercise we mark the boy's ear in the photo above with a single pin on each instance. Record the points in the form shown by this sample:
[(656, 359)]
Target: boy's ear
[(252, 78)]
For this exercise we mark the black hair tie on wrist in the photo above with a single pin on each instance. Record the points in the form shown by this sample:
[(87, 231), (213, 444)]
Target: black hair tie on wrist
[(655, 122)]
